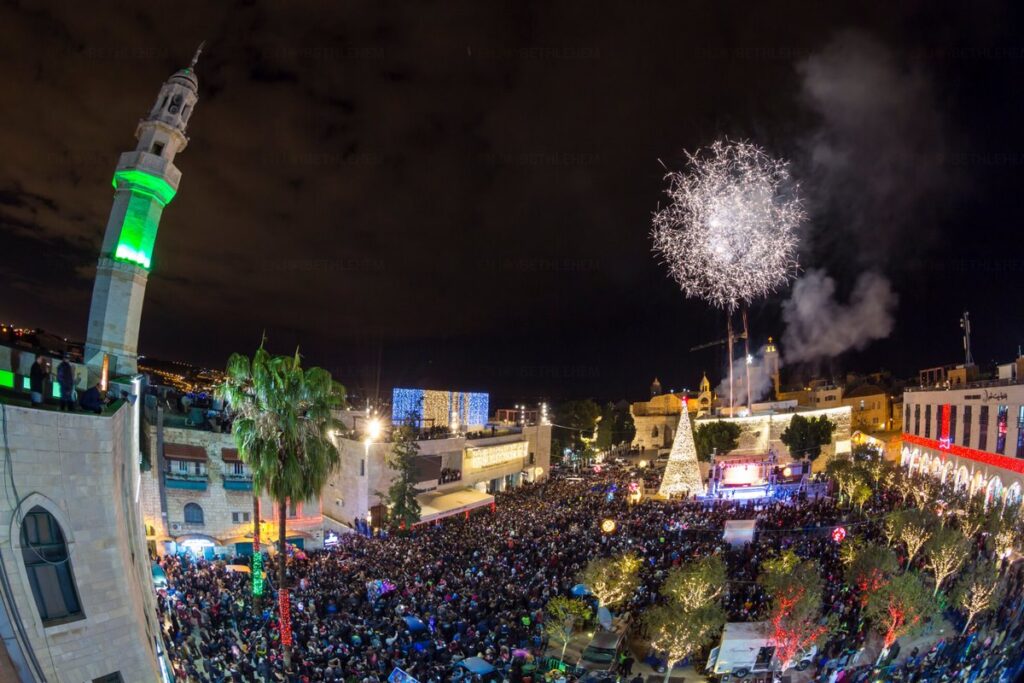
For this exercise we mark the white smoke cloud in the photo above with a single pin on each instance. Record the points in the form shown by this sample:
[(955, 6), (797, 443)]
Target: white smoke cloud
[(760, 380), (874, 164), (817, 326)]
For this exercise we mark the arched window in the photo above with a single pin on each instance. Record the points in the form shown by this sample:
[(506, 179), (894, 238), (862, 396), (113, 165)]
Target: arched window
[(654, 432), (193, 514), (49, 568)]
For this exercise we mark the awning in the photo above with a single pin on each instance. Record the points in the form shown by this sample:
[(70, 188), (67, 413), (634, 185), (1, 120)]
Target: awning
[(435, 506), (180, 451), (230, 455)]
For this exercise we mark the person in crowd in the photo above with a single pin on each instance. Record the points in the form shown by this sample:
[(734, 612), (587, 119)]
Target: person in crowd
[(92, 399), (66, 380), (37, 379), (477, 586)]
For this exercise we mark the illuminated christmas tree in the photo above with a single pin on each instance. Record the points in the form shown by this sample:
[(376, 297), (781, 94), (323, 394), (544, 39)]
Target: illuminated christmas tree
[(682, 474)]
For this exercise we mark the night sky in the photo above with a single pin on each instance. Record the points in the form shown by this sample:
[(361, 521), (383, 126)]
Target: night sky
[(459, 194)]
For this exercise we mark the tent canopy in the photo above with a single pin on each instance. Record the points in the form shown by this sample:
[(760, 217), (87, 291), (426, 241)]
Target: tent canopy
[(435, 505)]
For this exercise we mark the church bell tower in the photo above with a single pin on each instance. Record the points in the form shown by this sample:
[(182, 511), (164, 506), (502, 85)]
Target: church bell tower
[(145, 181)]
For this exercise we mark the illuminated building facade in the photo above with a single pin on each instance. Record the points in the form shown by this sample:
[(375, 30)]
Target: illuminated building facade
[(971, 435), (145, 181), (459, 411)]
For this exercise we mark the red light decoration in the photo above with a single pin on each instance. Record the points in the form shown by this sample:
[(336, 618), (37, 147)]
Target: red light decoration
[(1013, 464), (286, 617), (944, 440), (838, 534), (790, 638)]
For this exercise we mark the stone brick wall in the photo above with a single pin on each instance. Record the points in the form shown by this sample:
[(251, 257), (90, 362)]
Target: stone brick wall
[(81, 468)]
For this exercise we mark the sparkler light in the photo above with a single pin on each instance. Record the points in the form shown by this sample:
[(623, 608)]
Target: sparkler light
[(728, 233)]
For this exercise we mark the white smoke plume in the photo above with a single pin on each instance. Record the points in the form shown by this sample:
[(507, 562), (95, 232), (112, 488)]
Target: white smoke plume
[(874, 170), (760, 380), (874, 165), (817, 326)]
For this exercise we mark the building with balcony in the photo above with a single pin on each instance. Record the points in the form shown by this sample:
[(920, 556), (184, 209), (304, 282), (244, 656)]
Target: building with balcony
[(198, 494), (455, 473), (970, 434)]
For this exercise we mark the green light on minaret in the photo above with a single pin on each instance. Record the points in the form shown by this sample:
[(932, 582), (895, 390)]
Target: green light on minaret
[(149, 195)]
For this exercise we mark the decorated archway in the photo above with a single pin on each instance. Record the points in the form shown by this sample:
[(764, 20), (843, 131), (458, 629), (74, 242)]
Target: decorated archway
[(977, 482), (1013, 494), (994, 491), (962, 478), (947, 471)]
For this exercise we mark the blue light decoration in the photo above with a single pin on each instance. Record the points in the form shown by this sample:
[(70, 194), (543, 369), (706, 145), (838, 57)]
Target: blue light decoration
[(457, 409), (477, 408), (406, 402)]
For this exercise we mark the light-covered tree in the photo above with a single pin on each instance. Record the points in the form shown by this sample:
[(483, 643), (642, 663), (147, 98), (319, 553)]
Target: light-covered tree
[(612, 579), (913, 528), (900, 607), (695, 584), (796, 590), (566, 616), (945, 552), (978, 591), (869, 566), (681, 634)]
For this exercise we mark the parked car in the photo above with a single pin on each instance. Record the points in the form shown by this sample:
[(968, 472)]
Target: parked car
[(602, 653)]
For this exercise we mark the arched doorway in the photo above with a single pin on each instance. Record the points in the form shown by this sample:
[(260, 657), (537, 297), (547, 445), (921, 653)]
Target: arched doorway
[(1013, 493), (994, 491), (962, 478), (947, 471)]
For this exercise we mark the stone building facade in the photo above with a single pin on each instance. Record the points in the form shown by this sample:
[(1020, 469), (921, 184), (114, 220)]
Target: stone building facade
[(488, 465), (77, 478), (199, 490)]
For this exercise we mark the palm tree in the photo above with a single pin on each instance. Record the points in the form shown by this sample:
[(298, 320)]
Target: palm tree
[(282, 425)]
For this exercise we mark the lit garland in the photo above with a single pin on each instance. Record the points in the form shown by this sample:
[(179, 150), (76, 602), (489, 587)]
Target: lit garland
[(257, 573), (682, 473), (286, 617)]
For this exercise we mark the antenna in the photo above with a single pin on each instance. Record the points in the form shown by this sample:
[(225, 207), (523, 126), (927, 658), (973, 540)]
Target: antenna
[(195, 57), (965, 325)]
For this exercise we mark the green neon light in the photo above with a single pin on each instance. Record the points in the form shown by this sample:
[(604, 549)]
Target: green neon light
[(55, 390), (126, 253), (6, 379), (26, 384), (257, 573), (149, 195), (139, 181)]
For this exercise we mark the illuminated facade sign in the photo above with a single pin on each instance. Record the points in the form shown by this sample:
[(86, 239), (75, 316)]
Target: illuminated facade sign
[(500, 455)]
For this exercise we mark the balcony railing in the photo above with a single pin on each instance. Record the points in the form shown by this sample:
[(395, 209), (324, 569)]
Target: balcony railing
[(238, 482), (181, 480)]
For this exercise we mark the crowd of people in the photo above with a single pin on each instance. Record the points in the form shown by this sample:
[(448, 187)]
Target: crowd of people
[(477, 587)]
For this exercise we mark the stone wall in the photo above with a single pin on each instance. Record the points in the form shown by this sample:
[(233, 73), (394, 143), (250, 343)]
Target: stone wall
[(83, 470)]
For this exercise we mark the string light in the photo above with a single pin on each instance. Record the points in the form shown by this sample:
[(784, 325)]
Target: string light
[(286, 617)]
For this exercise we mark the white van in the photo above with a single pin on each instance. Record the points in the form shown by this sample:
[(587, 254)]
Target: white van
[(747, 648)]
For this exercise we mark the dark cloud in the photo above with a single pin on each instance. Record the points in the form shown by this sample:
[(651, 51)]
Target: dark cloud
[(460, 191)]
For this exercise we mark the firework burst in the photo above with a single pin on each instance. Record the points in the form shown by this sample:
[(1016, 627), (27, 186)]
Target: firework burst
[(728, 234)]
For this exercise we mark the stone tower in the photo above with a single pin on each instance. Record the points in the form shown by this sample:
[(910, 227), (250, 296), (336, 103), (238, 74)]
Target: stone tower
[(655, 388), (145, 181)]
